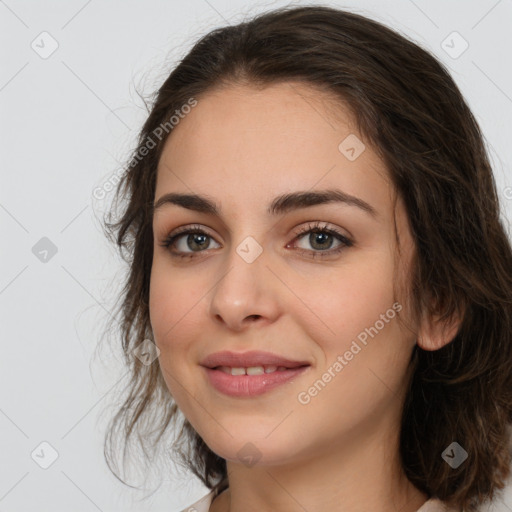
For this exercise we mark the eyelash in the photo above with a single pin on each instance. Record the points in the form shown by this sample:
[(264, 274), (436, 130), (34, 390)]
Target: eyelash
[(316, 227)]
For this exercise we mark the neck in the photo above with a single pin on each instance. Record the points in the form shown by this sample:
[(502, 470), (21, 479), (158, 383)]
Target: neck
[(357, 473)]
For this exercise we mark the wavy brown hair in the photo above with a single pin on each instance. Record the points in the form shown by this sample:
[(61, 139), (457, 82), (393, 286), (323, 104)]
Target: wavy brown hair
[(409, 109)]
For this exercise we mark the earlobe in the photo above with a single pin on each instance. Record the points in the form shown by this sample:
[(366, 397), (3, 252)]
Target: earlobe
[(434, 333)]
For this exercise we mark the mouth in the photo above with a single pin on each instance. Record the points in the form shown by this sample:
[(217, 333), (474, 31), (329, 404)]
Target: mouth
[(255, 370), (252, 381), (253, 361), (252, 373)]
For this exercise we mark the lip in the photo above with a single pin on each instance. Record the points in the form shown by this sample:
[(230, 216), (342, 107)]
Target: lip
[(248, 359), (251, 385)]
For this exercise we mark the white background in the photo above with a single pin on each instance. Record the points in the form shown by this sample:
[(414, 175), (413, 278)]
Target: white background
[(67, 124)]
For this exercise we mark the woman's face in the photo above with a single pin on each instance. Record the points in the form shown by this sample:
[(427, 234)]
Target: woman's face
[(261, 281)]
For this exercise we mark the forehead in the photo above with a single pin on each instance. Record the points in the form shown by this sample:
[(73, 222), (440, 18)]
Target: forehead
[(255, 142)]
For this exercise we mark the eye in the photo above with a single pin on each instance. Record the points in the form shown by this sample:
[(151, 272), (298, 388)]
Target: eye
[(197, 239), (321, 238)]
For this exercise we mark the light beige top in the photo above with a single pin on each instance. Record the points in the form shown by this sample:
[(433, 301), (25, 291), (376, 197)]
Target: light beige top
[(431, 505)]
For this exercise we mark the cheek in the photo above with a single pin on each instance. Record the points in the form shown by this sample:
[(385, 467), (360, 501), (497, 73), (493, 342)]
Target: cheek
[(171, 305), (160, 296), (359, 324), (173, 310), (348, 299)]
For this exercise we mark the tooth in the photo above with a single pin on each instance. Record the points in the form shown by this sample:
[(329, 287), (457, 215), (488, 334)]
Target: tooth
[(255, 370), (252, 370)]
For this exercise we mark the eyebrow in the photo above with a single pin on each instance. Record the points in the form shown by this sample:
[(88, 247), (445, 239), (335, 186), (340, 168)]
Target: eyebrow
[(280, 204)]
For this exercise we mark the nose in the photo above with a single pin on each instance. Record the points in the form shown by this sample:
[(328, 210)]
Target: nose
[(246, 293)]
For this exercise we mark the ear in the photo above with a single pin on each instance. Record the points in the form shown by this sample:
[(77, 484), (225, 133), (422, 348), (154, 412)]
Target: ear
[(435, 333)]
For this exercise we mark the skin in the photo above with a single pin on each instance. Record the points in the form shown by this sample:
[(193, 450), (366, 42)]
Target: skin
[(242, 147)]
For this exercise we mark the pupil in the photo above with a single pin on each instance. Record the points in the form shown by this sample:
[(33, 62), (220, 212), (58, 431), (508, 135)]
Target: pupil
[(193, 237), (322, 236)]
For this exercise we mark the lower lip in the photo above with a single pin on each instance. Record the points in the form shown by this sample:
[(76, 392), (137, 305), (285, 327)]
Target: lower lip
[(251, 385)]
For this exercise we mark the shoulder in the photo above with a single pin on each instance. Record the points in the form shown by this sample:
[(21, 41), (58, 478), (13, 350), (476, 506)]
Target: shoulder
[(201, 505), (432, 505), (435, 505)]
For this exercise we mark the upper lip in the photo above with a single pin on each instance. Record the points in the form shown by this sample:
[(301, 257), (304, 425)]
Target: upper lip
[(248, 359)]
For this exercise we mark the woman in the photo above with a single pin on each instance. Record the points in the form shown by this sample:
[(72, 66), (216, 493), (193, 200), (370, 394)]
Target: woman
[(316, 251)]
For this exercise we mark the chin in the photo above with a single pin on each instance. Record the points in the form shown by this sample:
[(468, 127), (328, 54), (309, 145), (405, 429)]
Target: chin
[(257, 450)]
